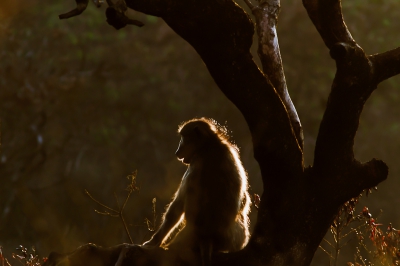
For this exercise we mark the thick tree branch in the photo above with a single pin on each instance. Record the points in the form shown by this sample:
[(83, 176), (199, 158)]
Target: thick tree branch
[(266, 15), (328, 19), (334, 157), (351, 88), (354, 82), (335, 171), (386, 64)]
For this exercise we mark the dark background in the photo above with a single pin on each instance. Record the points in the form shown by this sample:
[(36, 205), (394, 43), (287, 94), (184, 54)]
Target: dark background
[(82, 106)]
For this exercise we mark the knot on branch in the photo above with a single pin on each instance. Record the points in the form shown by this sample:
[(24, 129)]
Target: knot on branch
[(119, 20), (341, 50), (353, 65)]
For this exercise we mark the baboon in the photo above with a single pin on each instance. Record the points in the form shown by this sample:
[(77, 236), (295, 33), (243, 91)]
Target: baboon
[(212, 200)]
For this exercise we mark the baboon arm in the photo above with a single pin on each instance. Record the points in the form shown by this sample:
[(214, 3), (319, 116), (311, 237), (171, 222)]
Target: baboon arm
[(171, 218)]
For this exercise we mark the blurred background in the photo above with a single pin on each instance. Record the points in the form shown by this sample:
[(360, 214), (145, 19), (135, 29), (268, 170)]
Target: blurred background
[(82, 106)]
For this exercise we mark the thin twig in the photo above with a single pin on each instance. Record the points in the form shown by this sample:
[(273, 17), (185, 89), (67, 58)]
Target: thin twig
[(126, 200), (154, 214), (329, 243), (353, 230), (122, 216), (106, 213), (98, 202), (329, 254), (126, 227)]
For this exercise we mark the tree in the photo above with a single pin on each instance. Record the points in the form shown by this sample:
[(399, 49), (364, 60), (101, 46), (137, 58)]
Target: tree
[(299, 203)]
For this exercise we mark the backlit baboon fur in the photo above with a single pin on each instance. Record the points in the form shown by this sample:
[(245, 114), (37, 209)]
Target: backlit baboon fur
[(212, 199)]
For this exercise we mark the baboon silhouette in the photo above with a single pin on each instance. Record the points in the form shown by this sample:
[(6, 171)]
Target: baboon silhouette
[(212, 200)]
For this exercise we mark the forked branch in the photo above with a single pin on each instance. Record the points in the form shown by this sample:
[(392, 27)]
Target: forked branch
[(354, 82)]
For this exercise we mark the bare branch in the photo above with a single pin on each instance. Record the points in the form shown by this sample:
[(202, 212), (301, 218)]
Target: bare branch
[(346, 100), (81, 5), (266, 14), (117, 213), (98, 202), (328, 19), (329, 243), (324, 250), (386, 64), (106, 213)]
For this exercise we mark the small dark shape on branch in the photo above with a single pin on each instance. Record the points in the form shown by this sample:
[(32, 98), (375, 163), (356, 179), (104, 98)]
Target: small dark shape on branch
[(80, 7), (119, 20)]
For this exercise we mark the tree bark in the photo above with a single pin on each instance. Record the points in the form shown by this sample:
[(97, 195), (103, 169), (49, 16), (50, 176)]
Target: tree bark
[(298, 204)]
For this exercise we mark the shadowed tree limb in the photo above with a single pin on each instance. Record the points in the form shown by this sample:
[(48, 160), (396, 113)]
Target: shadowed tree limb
[(350, 89), (81, 6), (328, 20), (353, 84), (335, 170)]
